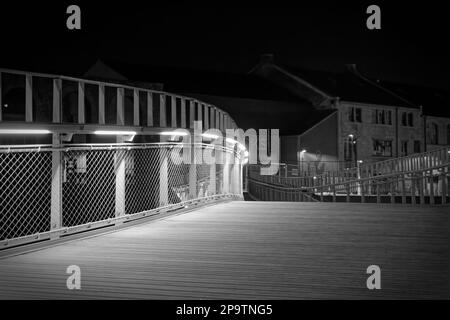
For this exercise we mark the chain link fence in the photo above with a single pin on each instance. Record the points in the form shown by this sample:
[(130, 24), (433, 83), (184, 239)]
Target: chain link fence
[(45, 189)]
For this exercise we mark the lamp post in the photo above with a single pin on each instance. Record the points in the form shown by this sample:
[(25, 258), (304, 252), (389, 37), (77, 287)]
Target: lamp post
[(302, 155), (353, 140)]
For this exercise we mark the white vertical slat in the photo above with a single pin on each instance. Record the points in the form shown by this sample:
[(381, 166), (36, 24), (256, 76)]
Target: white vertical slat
[(136, 107), (56, 188), (163, 178), (57, 89), (191, 114), (120, 106), (162, 111), (28, 98), (149, 109), (183, 112), (101, 104), (120, 167), (199, 111), (81, 109), (173, 107), (206, 118), (211, 116), (217, 118)]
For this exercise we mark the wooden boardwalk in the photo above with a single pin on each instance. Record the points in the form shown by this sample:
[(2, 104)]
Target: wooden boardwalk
[(250, 250)]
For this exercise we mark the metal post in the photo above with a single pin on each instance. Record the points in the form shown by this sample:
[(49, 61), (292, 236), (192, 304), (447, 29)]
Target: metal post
[(212, 176), (120, 106), (226, 174), (173, 106), (235, 175), (149, 109), (28, 98), (56, 192), (162, 110), (163, 177), (81, 117), (183, 112), (119, 160), (136, 119), (217, 119), (211, 117), (101, 104), (191, 113), (57, 87), (199, 111), (206, 118), (193, 172)]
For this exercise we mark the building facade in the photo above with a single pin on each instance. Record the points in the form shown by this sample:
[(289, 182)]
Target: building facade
[(371, 122)]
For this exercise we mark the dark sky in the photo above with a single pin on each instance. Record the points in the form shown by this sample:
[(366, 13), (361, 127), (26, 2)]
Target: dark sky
[(411, 47)]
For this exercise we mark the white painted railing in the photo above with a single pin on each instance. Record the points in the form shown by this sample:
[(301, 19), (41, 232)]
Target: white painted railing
[(163, 109)]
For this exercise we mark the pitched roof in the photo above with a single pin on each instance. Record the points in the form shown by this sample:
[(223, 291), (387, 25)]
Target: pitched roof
[(348, 85), (203, 81)]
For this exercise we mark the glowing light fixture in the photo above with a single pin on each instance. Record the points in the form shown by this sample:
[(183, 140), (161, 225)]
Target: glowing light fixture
[(303, 151), (24, 131), (174, 133), (210, 136), (123, 133), (232, 141)]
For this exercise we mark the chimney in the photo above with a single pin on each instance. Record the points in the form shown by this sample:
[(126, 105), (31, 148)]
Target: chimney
[(267, 58)]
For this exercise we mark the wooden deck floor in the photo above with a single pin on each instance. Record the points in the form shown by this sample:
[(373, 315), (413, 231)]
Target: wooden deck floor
[(250, 250)]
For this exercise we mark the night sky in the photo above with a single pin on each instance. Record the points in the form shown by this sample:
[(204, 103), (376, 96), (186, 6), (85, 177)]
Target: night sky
[(412, 46)]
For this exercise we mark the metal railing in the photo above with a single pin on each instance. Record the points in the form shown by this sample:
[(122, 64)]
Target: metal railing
[(422, 186), (48, 192), (57, 101), (306, 175)]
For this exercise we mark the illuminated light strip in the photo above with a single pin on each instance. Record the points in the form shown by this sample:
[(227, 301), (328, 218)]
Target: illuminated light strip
[(210, 136), (24, 131), (174, 133), (229, 140), (123, 133)]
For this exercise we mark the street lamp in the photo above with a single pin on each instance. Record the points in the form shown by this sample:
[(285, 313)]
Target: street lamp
[(302, 155), (353, 144)]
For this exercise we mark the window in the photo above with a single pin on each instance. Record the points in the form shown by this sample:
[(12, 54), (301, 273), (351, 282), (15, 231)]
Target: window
[(410, 120), (355, 115), (407, 119), (382, 117), (382, 148), (404, 151), (432, 133), (416, 146)]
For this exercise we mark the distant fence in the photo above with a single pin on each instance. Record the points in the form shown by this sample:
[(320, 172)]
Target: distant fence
[(311, 173), (48, 192), (420, 186)]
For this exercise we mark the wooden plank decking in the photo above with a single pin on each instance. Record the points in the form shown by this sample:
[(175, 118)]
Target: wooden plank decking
[(251, 250)]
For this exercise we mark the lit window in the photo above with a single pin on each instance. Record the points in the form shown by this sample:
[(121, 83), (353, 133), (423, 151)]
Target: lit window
[(382, 148)]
